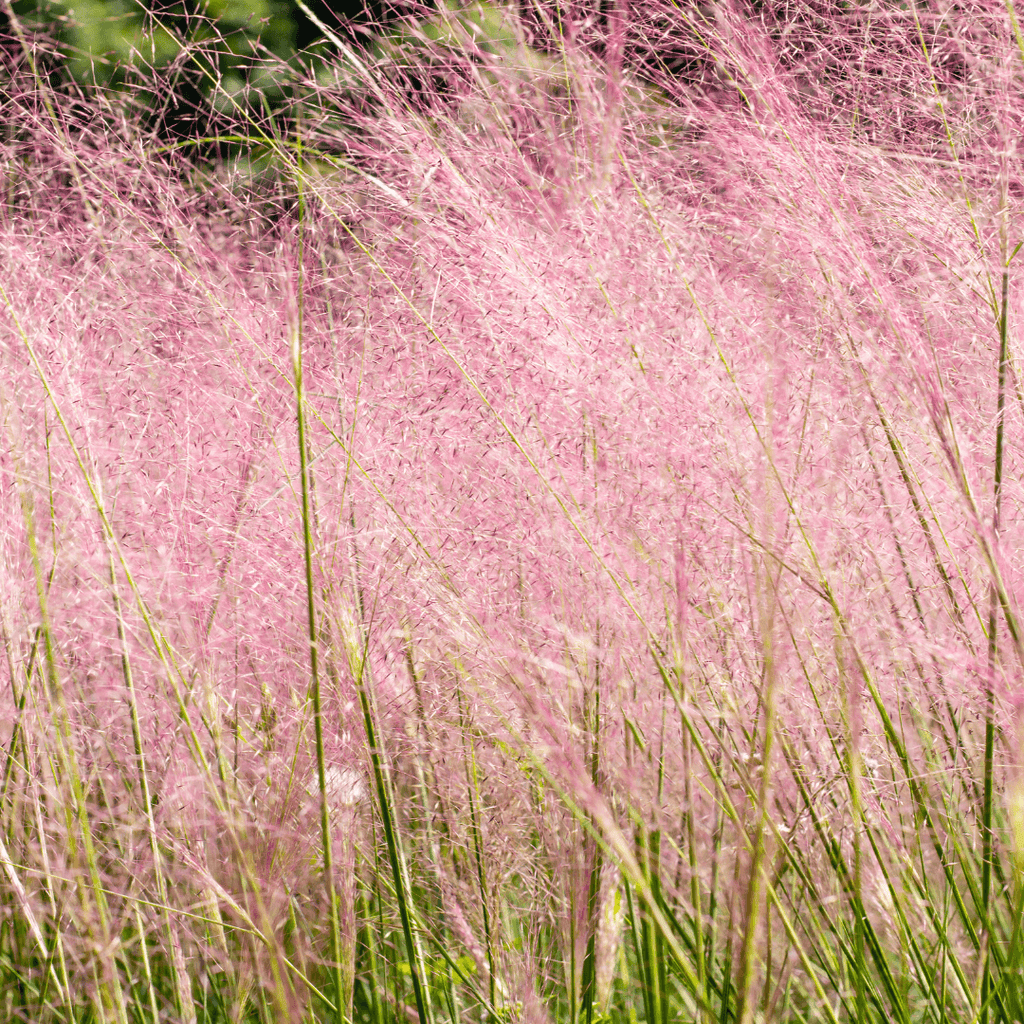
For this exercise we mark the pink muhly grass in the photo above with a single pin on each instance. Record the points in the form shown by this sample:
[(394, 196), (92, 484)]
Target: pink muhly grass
[(536, 553)]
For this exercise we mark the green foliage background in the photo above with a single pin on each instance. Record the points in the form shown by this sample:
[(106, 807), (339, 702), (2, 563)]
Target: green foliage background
[(98, 38), (170, 55)]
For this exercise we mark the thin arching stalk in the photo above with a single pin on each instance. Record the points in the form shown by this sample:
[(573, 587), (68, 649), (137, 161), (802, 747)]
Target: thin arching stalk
[(987, 849), (327, 855)]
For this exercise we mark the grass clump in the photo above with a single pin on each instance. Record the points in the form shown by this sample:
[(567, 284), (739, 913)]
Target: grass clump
[(525, 534)]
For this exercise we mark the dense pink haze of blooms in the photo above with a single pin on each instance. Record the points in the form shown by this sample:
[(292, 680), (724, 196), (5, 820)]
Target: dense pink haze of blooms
[(652, 434)]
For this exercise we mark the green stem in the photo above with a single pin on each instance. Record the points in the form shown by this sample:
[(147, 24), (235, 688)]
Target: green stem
[(340, 1000), (987, 853)]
